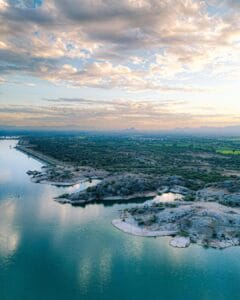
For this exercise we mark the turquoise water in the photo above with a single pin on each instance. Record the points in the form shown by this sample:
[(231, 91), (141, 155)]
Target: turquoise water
[(53, 251)]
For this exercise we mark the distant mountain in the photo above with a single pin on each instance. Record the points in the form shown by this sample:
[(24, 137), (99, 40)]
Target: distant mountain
[(217, 131), (131, 129), (200, 131)]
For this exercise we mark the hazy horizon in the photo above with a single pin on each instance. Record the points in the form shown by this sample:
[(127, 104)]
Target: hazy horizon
[(114, 65)]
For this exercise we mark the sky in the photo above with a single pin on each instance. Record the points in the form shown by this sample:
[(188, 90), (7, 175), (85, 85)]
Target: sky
[(119, 64)]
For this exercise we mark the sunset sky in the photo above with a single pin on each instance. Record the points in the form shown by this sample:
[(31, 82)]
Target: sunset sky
[(117, 64)]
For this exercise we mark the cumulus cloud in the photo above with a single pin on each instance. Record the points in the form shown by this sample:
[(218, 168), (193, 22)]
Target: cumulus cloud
[(129, 44)]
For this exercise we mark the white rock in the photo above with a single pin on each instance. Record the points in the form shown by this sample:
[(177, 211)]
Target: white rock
[(180, 242), (136, 230)]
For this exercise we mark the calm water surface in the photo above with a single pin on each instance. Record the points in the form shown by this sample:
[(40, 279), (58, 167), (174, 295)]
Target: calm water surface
[(53, 251)]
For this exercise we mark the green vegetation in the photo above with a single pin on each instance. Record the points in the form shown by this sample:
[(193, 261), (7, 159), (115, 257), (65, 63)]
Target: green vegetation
[(189, 198), (228, 152), (200, 160), (183, 233)]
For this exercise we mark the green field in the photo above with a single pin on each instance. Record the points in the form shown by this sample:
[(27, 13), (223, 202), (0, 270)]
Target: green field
[(228, 152)]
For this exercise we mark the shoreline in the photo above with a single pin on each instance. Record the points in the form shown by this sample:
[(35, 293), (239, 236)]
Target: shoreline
[(209, 224), (78, 175), (116, 199), (42, 157), (137, 231), (61, 184), (206, 224)]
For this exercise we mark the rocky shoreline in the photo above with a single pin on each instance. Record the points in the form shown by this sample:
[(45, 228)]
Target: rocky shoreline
[(44, 158), (128, 186), (125, 187), (65, 175), (203, 223), (209, 216), (58, 173)]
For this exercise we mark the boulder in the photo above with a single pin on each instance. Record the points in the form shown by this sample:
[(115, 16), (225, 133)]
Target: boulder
[(180, 242)]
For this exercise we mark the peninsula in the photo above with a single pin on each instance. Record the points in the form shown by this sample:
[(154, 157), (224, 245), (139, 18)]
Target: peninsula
[(204, 171)]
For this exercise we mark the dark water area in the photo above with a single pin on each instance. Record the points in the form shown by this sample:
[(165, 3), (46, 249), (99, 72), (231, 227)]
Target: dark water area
[(54, 251)]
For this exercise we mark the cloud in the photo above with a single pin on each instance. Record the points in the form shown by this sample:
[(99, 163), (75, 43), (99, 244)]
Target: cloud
[(117, 103), (129, 44), (105, 75), (119, 113), (82, 101)]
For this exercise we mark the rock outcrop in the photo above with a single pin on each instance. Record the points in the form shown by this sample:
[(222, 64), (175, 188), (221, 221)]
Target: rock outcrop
[(207, 224)]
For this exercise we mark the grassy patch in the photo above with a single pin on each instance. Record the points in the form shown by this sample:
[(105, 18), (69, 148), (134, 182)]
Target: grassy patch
[(228, 152)]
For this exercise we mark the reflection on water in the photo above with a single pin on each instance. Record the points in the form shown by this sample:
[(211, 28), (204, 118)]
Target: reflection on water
[(5, 176), (105, 266), (85, 273), (77, 187), (9, 234), (54, 251)]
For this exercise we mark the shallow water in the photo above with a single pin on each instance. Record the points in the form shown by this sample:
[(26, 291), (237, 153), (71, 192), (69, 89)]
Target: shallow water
[(54, 251)]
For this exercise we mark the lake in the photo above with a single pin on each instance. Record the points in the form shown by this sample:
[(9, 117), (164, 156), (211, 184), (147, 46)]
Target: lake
[(54, 251)]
